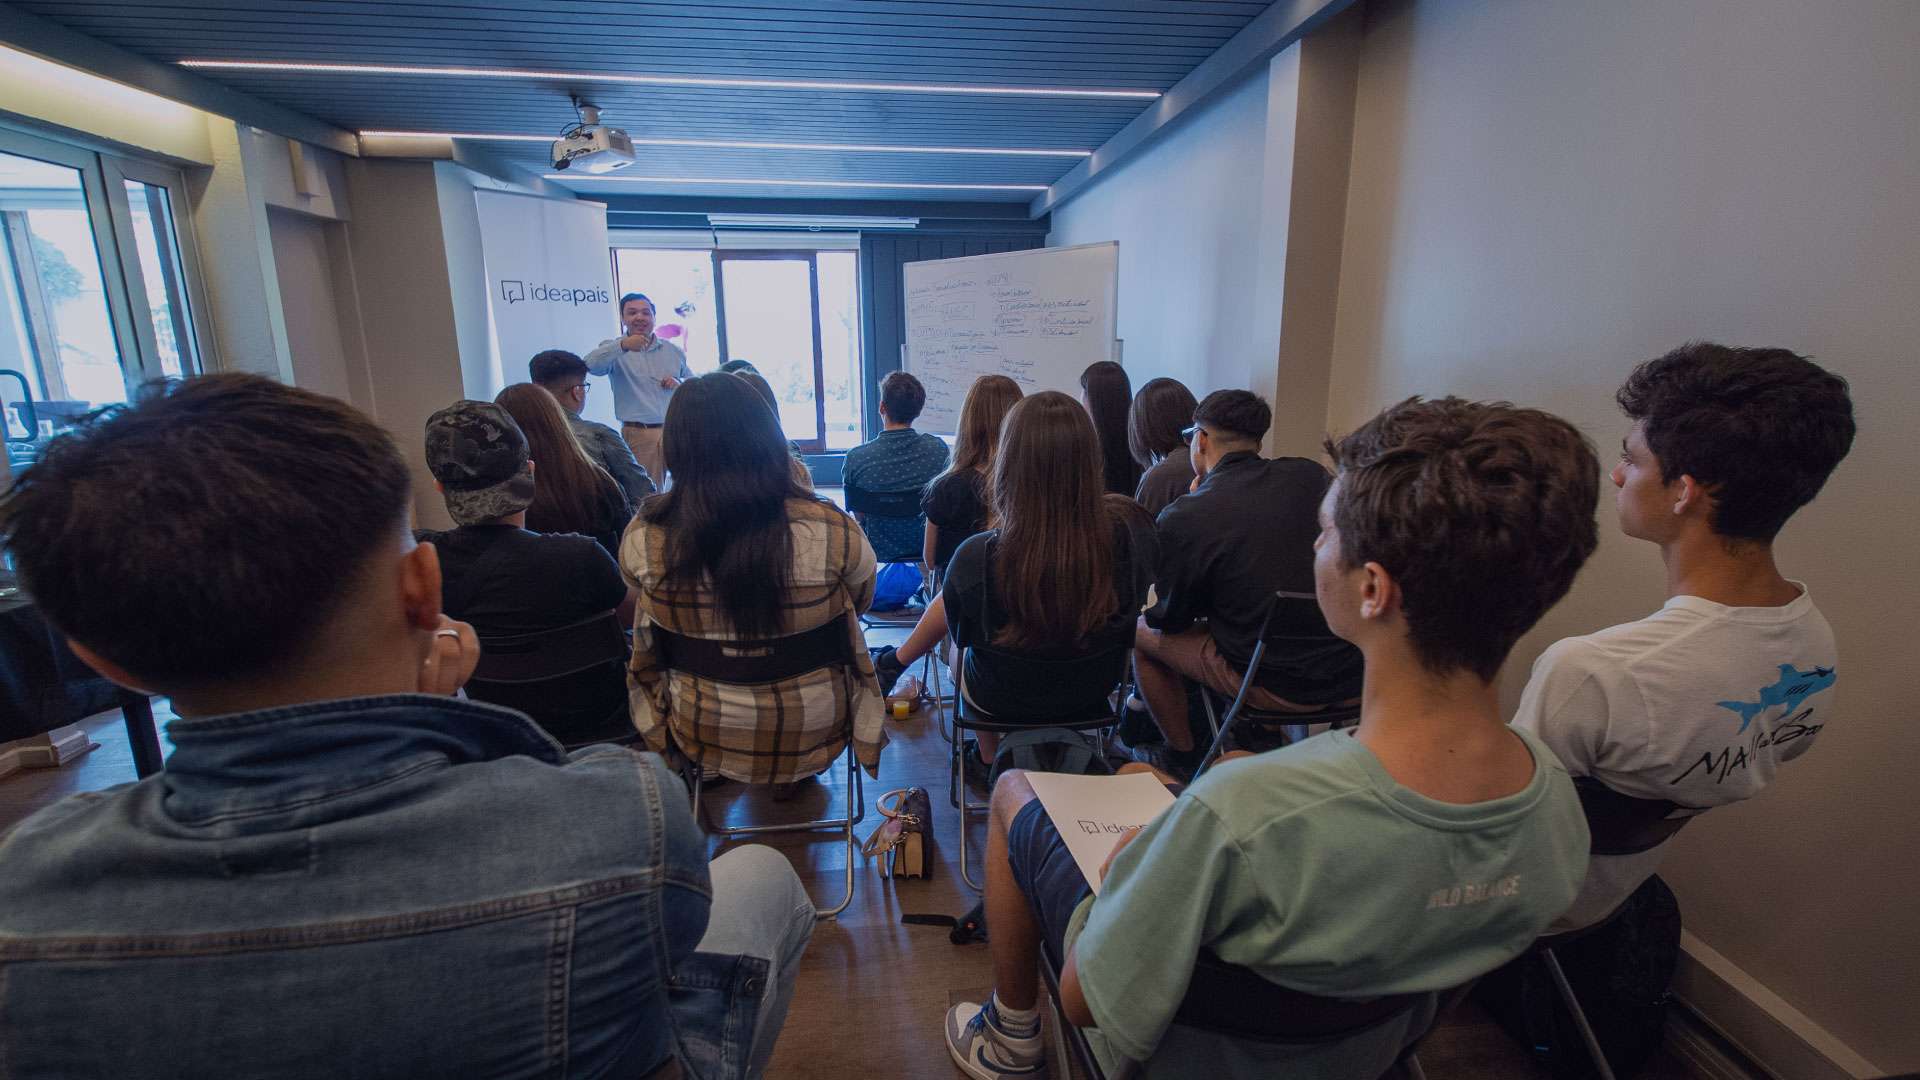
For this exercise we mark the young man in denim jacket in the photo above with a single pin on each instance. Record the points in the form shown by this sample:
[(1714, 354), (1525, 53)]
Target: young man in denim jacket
[(342, 870)]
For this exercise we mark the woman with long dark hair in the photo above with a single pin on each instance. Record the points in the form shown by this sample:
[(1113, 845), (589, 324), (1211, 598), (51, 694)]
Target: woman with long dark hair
[(1107, 394), (739, 550), (956, 501), (1156, 426), (570, 493), (1063, 573)]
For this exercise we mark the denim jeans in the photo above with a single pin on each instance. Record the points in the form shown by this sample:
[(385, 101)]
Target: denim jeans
[(760, 911)]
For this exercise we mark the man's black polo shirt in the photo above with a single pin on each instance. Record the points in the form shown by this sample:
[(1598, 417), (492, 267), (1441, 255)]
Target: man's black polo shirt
[(1227, 547)]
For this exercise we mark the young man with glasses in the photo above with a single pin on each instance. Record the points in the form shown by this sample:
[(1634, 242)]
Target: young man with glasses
[(564, 375)]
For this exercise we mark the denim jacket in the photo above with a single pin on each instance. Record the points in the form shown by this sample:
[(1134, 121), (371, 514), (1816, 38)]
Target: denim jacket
[(402, 886)]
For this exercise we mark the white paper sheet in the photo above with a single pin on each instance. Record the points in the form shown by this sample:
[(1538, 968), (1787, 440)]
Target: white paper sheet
[(1094, 812)]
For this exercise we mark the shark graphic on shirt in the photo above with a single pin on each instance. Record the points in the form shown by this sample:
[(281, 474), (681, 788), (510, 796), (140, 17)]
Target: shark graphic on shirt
[(1792, 686)]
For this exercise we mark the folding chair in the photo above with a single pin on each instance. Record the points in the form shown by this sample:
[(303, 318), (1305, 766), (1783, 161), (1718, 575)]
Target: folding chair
[(1619, 825), (1292, 618), (1235, 1002), (1090, 679), (758, 663), (893, 506), (572, 680)]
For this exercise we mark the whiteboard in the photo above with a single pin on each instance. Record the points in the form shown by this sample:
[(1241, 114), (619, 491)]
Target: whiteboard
[(1039, 317)]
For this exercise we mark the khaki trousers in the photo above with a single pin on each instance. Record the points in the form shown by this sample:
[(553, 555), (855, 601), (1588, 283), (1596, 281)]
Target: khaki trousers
[(645, 444)]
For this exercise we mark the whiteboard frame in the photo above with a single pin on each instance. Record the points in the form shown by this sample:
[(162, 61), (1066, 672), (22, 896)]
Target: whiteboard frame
[(1113, 298)]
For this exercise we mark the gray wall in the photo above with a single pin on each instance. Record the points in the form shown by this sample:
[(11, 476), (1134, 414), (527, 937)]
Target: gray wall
[(1187, 214), (1543, 194)]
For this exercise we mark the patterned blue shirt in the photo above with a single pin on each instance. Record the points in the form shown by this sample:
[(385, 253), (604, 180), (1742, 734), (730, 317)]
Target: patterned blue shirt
[(900, 460)]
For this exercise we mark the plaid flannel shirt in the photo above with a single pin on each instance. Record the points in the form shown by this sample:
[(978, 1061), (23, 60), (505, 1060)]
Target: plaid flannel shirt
[(771, 733)]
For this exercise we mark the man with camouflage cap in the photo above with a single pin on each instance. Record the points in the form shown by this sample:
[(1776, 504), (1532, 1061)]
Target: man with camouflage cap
[(507, 581)]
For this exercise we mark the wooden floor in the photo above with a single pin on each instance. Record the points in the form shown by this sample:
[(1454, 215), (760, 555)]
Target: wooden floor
[(871, 991)]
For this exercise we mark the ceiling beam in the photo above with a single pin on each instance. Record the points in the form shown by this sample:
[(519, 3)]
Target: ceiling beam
[(47, 39), (1286, 22)]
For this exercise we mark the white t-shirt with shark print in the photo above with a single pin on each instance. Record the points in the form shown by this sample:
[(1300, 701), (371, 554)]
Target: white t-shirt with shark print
[(1698, 703)]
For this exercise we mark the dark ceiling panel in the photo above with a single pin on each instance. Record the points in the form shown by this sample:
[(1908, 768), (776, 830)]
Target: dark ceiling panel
[(1104, 44)]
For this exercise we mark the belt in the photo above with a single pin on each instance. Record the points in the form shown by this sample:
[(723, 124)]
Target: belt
[(640, 424)]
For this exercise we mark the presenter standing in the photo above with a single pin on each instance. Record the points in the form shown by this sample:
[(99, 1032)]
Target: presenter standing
[(644, 371)]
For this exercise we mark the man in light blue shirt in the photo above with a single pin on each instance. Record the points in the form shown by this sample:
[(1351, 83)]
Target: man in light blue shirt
[(644, 371)]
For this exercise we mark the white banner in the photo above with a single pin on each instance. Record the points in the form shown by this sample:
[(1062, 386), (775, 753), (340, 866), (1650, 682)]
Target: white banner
[(549, 282)]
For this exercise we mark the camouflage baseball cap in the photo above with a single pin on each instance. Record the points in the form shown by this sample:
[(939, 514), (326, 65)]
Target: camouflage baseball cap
[(479, 455)]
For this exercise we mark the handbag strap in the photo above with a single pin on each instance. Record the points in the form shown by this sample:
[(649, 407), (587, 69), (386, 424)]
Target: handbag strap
[(888, 835)]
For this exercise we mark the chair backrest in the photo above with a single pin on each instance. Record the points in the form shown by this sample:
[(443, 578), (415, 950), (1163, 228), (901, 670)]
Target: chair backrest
[(552, 654), (1296, 635), (748, 663), (1062, 692), (886, 504), (570, 680), (1625, 825), (1236, 1001)]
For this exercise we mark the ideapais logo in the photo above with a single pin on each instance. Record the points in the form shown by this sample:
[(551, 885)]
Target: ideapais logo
[(513, 292)]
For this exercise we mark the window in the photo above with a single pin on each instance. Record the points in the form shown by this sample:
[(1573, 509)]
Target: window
[(94, 287), (793, 312)]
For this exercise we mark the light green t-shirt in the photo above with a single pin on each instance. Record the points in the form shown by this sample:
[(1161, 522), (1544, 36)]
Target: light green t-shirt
[(1311, 866)]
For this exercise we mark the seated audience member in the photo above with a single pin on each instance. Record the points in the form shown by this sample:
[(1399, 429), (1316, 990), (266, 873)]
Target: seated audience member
[(956, 501), (564, 375), (1156, 436), (503, 580), (897, 459), (1106, 394), (738, 550), (341, 869), (745, 372), (737, 365), (1698, 703), (1405, 856), (1063, 573), (574, 495), (1246, 531)]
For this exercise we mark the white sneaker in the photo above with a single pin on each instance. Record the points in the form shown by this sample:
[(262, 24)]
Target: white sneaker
[(986, 1052)]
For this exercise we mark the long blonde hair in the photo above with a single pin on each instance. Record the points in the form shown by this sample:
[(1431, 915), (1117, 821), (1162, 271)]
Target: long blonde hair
[(569, 488), (1053, 561), (981, 414)]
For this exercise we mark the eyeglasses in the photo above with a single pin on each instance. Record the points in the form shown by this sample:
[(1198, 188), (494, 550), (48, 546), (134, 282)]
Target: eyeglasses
[(1186, 433)]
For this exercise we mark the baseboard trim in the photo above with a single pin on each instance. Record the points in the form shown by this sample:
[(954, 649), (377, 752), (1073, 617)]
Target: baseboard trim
[(1778, 1038)]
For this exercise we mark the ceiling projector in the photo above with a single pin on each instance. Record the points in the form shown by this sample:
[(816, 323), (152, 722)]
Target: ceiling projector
[(592, 147)]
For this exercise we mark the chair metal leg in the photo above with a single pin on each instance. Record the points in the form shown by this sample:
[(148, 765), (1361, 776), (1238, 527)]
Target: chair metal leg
[(1560, 983), (965, 806), (856, 813)]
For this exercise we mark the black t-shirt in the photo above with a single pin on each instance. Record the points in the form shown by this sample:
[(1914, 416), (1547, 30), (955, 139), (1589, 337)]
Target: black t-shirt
[(611, 513), (974, 614), (506, 580), (957, 504), (1227, 547)]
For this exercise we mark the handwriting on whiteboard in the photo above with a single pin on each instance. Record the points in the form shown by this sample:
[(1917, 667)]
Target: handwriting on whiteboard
[(968, 324)]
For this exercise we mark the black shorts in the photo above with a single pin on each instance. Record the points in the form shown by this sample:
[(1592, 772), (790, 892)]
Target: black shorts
[(1047, 874)]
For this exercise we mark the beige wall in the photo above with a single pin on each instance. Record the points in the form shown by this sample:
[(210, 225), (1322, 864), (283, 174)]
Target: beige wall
[(1544, 193), (304, 271)]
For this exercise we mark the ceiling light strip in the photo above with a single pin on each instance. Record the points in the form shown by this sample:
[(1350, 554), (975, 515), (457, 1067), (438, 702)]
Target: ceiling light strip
[(662, 80), (728, 144), (892, 184)]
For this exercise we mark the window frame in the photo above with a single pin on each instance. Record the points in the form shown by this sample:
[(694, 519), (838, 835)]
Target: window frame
[(767, 246)]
